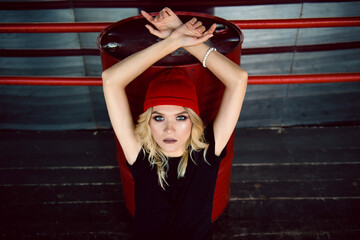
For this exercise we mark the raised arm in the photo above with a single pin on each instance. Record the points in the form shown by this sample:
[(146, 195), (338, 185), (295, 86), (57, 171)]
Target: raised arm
[(235, 80), (117, 77)]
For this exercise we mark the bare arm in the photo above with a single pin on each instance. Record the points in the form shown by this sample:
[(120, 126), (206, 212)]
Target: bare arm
[(235, 80), (117, 77)]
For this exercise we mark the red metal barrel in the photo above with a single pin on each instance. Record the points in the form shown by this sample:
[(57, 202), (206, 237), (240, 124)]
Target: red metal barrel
[(128, 36)]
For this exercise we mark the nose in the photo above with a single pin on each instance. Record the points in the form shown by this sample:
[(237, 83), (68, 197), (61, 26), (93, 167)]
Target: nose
[(169, 127)]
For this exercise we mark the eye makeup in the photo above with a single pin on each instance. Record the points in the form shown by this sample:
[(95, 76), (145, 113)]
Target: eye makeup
[(182, 116), (158, 118)]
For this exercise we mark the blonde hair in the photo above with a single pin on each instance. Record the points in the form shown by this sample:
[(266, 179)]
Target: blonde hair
[(157, 158)]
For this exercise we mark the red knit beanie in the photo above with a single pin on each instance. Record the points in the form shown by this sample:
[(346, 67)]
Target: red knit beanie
[(172, 87)]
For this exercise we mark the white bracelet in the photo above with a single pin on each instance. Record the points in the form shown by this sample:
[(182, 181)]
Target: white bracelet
[(206, 56)]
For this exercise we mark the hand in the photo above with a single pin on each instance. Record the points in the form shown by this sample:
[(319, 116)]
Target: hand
[(166, 22), (192, 33)]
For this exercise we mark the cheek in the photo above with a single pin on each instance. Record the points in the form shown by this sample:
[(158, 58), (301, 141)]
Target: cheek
[(185, 128), (155, 129)]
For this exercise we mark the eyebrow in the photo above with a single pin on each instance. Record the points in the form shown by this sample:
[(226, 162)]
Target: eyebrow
[(155, 112)]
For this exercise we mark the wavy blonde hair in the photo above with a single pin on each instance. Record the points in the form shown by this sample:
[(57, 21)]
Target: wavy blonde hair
[(157, 158)]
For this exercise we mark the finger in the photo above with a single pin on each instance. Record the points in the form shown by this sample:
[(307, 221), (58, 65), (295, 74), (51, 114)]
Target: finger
[(203, 38), (201, 29), (193, 30), (152, 30), (192, 24), (211, 29), (147, 16), (169, 11), (159, 17), (192, 21), (165, 12), (198, 24)]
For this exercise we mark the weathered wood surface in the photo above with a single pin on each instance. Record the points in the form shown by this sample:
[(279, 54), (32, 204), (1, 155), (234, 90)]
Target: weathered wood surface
[(287, 183)]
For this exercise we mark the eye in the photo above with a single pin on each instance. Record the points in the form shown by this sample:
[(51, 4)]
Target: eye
[(181, 118), (158, 118)]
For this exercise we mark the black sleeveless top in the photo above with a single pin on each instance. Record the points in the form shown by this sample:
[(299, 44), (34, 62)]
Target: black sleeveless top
[(183, 210)]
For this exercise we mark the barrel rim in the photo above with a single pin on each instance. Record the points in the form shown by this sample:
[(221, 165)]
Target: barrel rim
[(179, 13)]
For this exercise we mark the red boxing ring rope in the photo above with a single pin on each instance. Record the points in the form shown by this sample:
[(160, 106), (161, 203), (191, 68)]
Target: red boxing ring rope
[(254, 80), (298, 23), (243, 24)]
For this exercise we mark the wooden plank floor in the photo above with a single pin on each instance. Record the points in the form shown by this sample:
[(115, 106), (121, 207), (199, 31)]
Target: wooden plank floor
[(287, 183)]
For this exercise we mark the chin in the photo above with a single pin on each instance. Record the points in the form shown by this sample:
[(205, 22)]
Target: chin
[(171, 152)]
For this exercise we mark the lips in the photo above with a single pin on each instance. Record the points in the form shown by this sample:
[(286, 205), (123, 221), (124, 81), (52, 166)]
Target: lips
[(169, 140)]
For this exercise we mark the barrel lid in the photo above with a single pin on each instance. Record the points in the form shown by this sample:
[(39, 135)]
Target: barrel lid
[(130, 35)]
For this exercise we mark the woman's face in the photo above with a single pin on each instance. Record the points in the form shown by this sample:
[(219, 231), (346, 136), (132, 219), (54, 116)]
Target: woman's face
[(170, 127)]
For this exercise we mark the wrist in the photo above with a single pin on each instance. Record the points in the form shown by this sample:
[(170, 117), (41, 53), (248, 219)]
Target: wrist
[(198, 51), (172, 43)]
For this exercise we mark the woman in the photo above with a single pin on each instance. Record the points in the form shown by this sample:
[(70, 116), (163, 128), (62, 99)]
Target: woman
[(173, 160)]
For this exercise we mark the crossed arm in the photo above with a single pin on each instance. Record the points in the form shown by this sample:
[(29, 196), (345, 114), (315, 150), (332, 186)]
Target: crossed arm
[(231, 75)]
